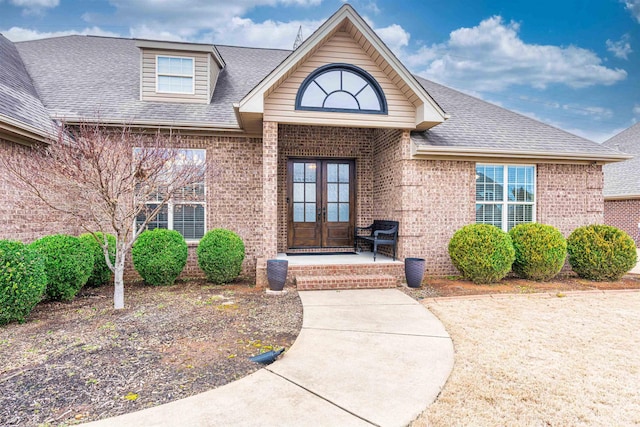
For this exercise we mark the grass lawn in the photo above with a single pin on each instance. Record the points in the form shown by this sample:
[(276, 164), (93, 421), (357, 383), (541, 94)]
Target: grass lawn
[(552, 359)]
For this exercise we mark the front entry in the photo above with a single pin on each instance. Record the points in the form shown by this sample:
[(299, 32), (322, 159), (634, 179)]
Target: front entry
[(320, 203)]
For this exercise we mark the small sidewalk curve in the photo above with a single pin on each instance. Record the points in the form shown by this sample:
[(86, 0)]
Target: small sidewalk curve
[(363, 357), (636, 269)]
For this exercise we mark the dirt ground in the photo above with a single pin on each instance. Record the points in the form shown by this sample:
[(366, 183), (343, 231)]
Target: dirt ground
[(80, 361)]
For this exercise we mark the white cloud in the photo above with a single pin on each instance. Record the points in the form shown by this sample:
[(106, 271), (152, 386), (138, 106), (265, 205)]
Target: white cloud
[(273, 34), (189, 17), (17, 34), (596, 135), (621, 49), (594, 113), (633, 6), (207, 21), (636, 110), (394, 36), (368, 5), (35, 7), (492, 57)]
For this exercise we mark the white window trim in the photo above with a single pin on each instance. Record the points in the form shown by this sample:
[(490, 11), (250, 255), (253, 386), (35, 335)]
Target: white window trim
[(192, 75), (505, 202), (170, 205)]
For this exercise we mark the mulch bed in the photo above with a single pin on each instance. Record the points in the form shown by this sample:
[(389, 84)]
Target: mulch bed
[(81, 361), (455, 286)]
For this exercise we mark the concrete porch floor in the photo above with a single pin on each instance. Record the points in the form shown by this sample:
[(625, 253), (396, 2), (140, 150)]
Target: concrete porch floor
[(343, 259)]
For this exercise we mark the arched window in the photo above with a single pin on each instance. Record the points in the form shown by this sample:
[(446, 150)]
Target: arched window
[(341, 88)]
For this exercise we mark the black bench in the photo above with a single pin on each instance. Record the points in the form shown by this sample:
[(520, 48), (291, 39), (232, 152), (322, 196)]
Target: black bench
[(382, 232)]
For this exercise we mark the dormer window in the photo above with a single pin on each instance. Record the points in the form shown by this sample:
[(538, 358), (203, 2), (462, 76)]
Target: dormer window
[(341, 88), (174, 74)]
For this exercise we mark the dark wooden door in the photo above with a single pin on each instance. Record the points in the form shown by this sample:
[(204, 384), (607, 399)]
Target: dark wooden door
[(321, 203)]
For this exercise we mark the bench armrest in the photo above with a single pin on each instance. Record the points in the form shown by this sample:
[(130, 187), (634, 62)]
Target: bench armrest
[(388, 231)]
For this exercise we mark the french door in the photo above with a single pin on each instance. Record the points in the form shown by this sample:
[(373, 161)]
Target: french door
[(320, 203)]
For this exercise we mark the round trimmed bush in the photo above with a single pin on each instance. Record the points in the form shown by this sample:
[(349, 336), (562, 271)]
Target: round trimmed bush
[(101, 272), (22, 281), (159, 256), (68, 263), (601, 252), (220, 255), (482, 253), (540, 251)]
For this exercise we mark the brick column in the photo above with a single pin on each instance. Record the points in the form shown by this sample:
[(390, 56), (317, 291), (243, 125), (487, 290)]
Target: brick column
[(269, 199)]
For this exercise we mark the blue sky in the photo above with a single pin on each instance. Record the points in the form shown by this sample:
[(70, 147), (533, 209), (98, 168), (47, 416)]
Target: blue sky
[(574, 64)]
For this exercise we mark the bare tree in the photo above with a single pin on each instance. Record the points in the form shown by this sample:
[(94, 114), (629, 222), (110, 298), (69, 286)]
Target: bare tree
[(104, 178)]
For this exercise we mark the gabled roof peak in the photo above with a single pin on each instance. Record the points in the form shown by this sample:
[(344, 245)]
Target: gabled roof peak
[(428, 112)]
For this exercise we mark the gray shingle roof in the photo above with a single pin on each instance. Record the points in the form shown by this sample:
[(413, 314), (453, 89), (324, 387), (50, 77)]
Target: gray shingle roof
[(623, 179), (477, 124), (87, 76), (18, 97)]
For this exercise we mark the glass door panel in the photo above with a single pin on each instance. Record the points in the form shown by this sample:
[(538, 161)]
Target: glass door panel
[(304, 191), (320, 203)]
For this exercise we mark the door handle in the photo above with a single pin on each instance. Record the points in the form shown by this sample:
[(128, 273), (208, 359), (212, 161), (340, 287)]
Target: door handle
[(324, 214)]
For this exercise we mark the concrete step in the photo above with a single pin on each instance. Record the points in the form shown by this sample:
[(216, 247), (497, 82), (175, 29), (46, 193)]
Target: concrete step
[(347, 281)]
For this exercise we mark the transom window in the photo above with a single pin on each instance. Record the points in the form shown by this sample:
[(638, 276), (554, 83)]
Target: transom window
[(185, 212), (505, 195), (174, 74), (342, 88)]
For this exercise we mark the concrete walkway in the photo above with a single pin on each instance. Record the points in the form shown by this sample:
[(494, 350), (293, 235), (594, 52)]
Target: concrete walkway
[(363, 357)]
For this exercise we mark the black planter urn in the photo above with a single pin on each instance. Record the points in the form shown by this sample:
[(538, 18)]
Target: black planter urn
[(414, 271), (277, 273)]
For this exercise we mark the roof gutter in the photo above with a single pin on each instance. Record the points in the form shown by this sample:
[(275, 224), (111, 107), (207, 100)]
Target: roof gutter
[(430, 151), (23, 131), (622, 197), (196, 126)]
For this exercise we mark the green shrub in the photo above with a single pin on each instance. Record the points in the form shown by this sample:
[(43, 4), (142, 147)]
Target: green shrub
[(101, 272), (540, 251), (68, 263), (601, 252), (22, 281), (159, 256), (482, 253), (220, 255)]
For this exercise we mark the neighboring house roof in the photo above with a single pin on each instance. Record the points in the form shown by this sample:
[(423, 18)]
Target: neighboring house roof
[(20, 107), (622, 180), (80, 77), (480, 129)]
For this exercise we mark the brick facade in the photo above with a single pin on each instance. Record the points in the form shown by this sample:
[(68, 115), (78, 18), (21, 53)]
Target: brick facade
[(326, 142), (624, 214), (569, 196), (443, 199), (23, 216), (234, 191), (246, 192), (269, 189)]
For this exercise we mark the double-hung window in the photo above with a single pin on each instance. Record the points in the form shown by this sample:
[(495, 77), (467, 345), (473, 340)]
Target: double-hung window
[(185, 211), (505, 195), (174, 74)]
